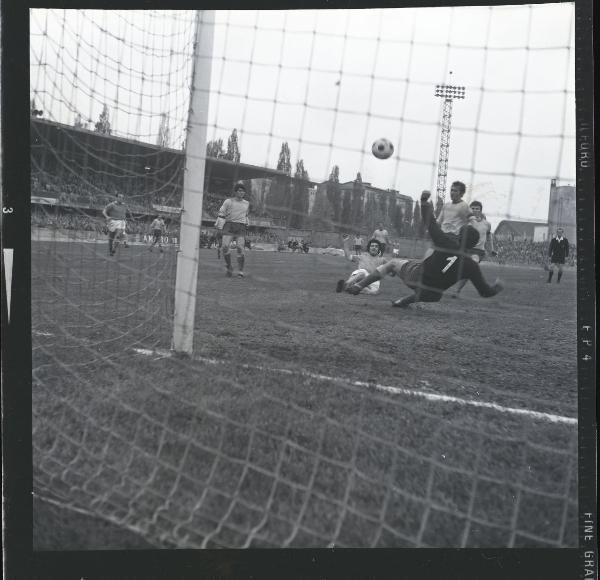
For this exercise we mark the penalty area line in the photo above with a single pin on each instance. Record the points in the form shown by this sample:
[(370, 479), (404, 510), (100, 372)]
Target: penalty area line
[(434, 397)]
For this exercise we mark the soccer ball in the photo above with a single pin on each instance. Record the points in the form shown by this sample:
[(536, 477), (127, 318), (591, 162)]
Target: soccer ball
[(382, 148)]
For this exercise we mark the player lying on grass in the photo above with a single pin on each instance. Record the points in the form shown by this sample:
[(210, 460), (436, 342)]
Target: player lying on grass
[(367, 264), (448, 263)]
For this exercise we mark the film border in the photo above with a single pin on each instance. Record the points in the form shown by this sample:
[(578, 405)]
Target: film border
[(19, 561)]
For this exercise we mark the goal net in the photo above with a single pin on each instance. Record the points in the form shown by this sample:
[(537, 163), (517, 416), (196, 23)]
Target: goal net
[(300, 419)]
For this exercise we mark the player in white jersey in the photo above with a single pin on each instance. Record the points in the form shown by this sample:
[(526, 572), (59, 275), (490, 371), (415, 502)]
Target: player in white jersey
[(382, 236), (367, 264), (158, 229), (484, 228), (234, 214), (454, 214)]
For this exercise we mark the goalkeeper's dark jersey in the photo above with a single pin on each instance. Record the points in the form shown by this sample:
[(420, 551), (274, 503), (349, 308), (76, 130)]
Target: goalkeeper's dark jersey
[(445, 268), (448, 264)]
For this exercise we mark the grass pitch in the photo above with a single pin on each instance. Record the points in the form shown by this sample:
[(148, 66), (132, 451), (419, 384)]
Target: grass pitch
[(306, 417)]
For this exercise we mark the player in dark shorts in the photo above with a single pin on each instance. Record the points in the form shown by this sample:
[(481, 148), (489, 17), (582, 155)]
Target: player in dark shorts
[(234, 212), (116, 214), (558, 252), (157, 226), (448, 263)]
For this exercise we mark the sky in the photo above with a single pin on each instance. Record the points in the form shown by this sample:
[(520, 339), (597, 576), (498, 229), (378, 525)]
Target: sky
[(330, 82)]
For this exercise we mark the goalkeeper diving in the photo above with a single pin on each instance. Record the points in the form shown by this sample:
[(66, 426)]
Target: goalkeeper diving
[(430, 277)]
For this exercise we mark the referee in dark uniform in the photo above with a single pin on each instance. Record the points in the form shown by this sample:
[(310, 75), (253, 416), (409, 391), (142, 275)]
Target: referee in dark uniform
[(558, 252)]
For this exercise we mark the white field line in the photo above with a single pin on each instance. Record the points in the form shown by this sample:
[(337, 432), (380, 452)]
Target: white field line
[(434, 397)]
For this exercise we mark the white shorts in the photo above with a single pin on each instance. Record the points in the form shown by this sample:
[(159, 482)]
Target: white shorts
[(358, 275), (116, 225)]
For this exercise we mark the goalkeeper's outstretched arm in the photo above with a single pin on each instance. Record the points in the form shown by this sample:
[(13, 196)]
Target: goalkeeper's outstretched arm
[(439, 238)]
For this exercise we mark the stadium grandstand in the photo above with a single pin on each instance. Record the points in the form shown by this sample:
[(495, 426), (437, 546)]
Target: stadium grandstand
[(151, 179)]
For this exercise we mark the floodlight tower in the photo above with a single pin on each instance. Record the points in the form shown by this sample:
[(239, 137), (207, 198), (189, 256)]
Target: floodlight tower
[(448, 93)]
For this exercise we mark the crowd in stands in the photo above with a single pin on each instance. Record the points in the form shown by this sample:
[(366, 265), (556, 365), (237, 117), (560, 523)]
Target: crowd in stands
[(208, 238), (51, 218), (68, 221), (264, 237), (509, 251), (95, 190), (527, 252)]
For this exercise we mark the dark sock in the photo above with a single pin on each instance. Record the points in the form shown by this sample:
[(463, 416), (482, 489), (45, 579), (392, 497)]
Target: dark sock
[(240, 261), (558, 277), (404, 302), (550, 276), (227, 260)]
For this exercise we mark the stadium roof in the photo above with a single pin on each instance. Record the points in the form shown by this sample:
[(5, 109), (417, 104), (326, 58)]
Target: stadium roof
[(223, 169), (127, 150)]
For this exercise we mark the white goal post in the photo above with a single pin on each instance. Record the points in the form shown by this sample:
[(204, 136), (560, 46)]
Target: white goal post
[(193, 186)]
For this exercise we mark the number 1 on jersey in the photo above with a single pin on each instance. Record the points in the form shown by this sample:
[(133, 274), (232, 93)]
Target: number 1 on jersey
[(451, 261)]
